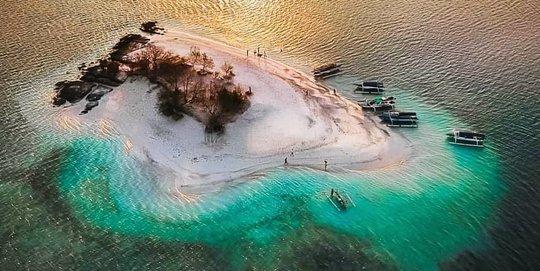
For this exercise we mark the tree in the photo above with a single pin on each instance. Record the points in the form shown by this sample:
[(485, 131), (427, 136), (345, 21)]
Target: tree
[(199, 90), (172, 71), (169, 103), (211, 104), (194, 55), (227, 70), (231, 102), (186, 80), (207, 62), (151, 55)]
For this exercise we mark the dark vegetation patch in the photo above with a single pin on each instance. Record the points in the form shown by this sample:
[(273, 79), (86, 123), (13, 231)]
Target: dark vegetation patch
[(189, 85)]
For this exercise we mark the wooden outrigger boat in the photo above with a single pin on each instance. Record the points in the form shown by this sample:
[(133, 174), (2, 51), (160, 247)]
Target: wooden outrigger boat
[(340, 200), (369, 87), (466, 138), (386, 116), (402, 122), (326, 71), (378, 104), (399, 119), (326, 67)]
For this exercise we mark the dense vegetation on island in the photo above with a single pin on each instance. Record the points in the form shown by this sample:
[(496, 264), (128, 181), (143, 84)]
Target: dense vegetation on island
[(191, 87), (188, 84)]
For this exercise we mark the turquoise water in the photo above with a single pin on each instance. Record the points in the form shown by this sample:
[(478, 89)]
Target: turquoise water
[(444, 192)]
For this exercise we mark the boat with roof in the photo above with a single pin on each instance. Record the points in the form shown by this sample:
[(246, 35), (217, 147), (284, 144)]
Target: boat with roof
[(369, 87), (399, 119), (326, 70), (385, 116), (378, 104), (466, 138), (402, 122)]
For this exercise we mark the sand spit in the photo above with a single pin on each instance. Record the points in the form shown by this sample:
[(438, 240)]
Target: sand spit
[(282, 122)]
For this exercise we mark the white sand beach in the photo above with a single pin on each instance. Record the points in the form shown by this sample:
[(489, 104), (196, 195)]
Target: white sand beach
[(282, 122)]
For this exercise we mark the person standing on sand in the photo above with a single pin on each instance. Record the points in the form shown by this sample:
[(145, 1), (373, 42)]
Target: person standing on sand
[(334, 91), (325, 163), (285, 162), (247, 52)]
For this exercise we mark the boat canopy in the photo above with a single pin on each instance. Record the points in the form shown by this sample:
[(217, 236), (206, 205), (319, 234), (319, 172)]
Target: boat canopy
[(372, 83), (467, 134)]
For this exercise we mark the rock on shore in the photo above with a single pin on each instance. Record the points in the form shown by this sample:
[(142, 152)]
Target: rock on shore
[(96, 79), (71, 91)]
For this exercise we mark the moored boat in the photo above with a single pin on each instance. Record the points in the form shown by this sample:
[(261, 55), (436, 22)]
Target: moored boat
[(325, 67), (326, 70), (385, 116), (369, 87), (378, 107), (378, 104), (327, 73), (466, 138), (408, 123)]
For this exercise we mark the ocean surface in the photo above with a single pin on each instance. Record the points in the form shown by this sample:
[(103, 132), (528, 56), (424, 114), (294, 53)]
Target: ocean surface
[(71, 201)]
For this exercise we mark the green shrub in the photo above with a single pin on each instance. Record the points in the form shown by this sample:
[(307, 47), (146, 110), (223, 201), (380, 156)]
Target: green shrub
[(169, 104), (230, 102), (214, 125)]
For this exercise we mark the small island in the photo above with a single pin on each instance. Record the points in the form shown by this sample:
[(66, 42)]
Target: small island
[(202, 113)]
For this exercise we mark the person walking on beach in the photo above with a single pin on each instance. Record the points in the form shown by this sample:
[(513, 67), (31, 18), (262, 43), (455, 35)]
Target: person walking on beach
[(247, 52), (285, 162), (334, 91), (325, 164)]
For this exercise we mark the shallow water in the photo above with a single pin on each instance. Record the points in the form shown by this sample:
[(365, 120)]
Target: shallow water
[(76, 201)]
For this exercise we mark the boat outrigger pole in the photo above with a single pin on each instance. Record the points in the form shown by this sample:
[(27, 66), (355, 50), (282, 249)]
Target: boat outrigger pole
[(333, 203), (350, 199)]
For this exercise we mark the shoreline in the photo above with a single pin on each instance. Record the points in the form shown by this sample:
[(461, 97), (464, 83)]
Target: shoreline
[(282, 119)]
